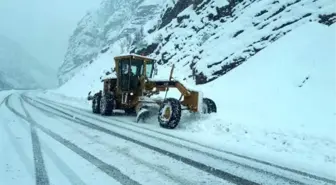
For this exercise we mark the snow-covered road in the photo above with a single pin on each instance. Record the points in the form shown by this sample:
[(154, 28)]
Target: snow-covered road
[(47, 142)]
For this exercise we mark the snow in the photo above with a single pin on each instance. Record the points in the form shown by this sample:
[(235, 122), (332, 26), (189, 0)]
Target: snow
[(266, 107), (220, 3), (20, 70), (269, 83), (4, 94), (16, 164), (278, 106), (114, 22), (152, 2), (263, 95), (132, 54), (85, 77)]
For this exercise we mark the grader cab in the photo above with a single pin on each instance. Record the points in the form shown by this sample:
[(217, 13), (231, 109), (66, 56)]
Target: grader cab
[(133, 87)]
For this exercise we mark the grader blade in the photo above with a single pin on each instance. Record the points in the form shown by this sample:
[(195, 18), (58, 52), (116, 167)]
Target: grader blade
[(143, 115)]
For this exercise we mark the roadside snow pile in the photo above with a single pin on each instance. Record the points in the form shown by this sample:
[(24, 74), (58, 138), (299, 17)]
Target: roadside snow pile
[(281, 103), (278, 106), (291, 84)]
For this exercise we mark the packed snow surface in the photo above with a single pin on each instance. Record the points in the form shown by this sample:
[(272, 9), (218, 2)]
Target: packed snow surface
[(278, 106)]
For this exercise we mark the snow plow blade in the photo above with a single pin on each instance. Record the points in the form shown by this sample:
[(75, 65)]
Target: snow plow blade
[(146, 109), (143, 115)]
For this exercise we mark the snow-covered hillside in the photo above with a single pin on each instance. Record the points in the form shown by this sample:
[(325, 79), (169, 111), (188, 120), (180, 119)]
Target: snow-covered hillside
[(18, 69), (119, 21), (209, 38), (278, 106), (189, 33)]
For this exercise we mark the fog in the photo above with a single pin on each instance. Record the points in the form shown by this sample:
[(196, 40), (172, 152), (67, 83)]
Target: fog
[(43, 27)]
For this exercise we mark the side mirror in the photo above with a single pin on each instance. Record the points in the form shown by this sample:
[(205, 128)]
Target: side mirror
[(155, 69)]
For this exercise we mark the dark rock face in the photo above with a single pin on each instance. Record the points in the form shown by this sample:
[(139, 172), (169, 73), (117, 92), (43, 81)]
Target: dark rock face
[(327, 19), (172, 12)]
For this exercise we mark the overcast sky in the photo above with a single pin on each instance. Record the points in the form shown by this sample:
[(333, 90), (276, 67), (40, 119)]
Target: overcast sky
[(43, 27)]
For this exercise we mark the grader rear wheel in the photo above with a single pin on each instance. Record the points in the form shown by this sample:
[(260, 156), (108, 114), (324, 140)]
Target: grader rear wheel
[(170, 113), (106, 105), (96, 104)]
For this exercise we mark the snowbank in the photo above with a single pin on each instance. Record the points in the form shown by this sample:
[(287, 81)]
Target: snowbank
[(289, 85), (284, 99)]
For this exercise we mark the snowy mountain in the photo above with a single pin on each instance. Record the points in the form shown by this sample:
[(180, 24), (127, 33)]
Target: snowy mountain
[(205, 38), (20, 70), (119, 21)]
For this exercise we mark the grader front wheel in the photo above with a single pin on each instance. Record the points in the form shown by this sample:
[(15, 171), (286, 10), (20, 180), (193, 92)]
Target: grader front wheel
[(209, 106), (170, 113)]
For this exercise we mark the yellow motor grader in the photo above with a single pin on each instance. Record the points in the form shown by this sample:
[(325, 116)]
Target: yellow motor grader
[(133, 87)]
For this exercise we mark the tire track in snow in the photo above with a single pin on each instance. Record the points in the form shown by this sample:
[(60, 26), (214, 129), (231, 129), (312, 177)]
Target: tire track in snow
[(275, 175), (18, 147), (213, 171), (3, 100), (41, 175), (59, 163), (108, 169), (211, 148), (177, 179), (64, 168)]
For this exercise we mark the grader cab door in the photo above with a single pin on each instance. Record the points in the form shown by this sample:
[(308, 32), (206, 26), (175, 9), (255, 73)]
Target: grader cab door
[(130, 71)]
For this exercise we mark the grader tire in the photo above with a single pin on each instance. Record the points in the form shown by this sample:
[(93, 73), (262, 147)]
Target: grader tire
[(209, 106), (106, 105), (170, 113), (130, 111), (96, 104)]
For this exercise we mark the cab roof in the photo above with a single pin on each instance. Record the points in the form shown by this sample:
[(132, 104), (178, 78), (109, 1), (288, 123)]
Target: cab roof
[(134, 56)]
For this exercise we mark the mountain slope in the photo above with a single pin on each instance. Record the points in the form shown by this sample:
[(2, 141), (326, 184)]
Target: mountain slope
[(209, 38), (189, 33), (115, 21), (18, 69)]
